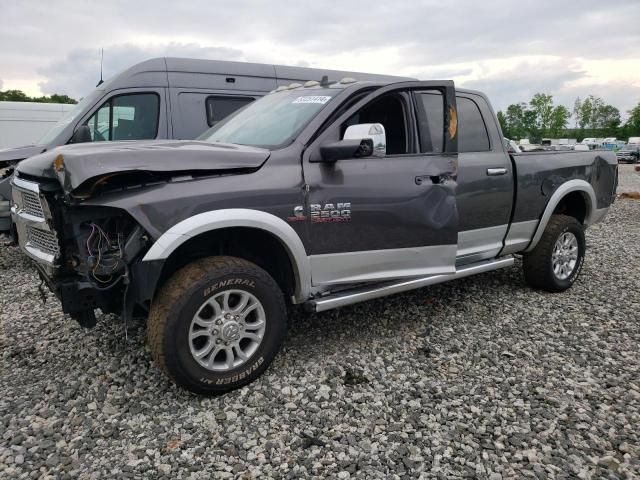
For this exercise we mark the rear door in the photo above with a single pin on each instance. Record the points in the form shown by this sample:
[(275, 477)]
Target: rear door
[(373, 219), (485, 181)]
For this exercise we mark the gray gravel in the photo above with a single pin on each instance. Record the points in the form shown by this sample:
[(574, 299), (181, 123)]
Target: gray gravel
[(479, 378), (628, 180)]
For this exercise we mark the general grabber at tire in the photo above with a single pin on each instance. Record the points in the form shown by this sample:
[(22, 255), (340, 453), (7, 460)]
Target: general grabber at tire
[(555, 263), (217, 324)]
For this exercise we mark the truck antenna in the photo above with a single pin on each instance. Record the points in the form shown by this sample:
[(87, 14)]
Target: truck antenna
[(101, 61)]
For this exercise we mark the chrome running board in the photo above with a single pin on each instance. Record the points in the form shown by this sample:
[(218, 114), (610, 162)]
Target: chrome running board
[(360, 294)]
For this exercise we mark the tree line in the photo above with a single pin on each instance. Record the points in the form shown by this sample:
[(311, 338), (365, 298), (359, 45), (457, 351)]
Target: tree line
[(20, 96), (590, 117)]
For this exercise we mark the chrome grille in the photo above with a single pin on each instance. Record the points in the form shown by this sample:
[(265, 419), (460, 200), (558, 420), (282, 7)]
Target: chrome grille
[(43, 240), (31, 204)]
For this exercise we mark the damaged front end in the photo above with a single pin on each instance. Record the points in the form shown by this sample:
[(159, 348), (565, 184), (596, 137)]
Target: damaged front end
[(82, 253), (89, 254)]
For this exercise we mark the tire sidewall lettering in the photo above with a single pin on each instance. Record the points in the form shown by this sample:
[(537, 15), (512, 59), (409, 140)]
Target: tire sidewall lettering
[(232, 282)]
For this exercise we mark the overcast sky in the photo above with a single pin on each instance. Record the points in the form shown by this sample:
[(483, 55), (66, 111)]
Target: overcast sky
[(509, 49)]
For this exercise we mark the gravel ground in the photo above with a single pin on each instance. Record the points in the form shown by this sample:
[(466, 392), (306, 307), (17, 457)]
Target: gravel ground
[(629, 180), (478, 378)]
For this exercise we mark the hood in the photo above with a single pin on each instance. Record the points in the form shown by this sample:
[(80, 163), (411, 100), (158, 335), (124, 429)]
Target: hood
[(19, 153), (86, 161)]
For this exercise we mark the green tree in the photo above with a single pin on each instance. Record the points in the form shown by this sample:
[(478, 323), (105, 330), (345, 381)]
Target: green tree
[(503, 124), (559, 121), (608, 119), (586, 109), (542, 105), (20, 96), (55, 98), (632, 125), (14, 96), (514, 119), (530, 125), (594, 119), (577, 105)]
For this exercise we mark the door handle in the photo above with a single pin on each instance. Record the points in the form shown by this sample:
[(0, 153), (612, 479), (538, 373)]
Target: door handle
[(494, 172)]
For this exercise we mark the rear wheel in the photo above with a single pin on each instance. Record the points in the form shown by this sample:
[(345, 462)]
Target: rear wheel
[(555, 263), (217, 324)]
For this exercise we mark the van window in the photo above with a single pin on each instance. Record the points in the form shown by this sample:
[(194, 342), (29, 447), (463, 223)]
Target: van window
[(221, 107), (472, 131), (126, 117), (430, 106)]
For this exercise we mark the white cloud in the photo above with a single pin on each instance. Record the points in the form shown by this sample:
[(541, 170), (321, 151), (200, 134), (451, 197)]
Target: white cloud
[(501, 46)]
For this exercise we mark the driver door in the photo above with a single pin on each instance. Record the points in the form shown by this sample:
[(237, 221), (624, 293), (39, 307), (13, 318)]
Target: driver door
[(375, 218)]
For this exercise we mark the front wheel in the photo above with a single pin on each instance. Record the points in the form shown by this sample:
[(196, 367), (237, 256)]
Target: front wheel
[(217, 324), (555, 263)]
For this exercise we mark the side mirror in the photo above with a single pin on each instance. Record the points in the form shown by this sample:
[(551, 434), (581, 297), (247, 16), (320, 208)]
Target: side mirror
[(345, 149), (372, 131), (81, 135), (364, 140)]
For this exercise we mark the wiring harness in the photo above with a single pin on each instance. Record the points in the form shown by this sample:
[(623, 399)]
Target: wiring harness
[(104, 256)]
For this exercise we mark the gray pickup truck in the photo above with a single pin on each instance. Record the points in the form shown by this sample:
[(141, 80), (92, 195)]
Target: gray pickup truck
[(318, 194)]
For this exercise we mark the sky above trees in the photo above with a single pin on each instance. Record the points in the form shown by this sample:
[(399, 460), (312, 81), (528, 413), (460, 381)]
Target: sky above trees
[(510, 50)]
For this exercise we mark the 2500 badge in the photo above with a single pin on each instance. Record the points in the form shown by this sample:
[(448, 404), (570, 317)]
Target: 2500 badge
[(321, 213)]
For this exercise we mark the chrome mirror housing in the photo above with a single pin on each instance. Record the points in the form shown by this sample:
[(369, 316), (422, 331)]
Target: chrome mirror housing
[(373, 131)]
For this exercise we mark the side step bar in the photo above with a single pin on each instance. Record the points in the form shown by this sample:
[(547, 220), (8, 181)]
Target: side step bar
[(361, 294)]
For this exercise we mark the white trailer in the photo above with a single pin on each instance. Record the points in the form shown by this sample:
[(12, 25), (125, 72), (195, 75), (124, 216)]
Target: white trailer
[(24, 123)]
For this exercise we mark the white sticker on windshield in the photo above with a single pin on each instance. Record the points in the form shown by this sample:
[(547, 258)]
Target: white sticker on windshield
[(321, 99)]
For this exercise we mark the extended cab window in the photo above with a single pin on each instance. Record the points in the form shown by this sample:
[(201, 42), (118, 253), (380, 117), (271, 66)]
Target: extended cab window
[(390, 112), (126, 117), (430, 106), (472, 131), (221, 107)]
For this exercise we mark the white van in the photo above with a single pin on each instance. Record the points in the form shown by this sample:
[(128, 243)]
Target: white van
[(24, 123)]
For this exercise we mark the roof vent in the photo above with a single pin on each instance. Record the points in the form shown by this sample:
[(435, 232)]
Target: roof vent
[(294, 85), (281, 88), (311, 83), (346, 80)]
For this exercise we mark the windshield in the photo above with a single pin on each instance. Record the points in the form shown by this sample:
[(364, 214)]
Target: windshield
[(69, 117), (631, 146), (272, 121)]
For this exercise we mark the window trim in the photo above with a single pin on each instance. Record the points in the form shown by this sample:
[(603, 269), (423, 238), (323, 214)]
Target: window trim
[(484, 121), (110, 102), (217, 95), (415, 100)]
